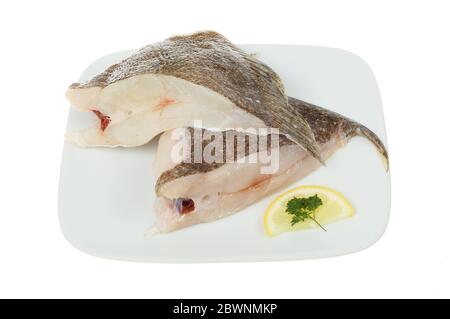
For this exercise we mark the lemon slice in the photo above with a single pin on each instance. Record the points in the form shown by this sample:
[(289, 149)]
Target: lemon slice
[(334, 207)]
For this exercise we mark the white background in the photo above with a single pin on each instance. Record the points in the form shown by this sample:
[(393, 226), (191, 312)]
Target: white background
[(44, 47)]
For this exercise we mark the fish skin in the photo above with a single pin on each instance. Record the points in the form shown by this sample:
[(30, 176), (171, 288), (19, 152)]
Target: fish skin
[(323, 122), (189, 167), (210, 60)]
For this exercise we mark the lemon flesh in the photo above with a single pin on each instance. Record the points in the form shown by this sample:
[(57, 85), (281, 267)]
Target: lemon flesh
[(335, 207)]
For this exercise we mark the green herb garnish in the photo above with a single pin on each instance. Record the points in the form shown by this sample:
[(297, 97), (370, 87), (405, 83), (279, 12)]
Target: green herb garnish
[(303, 208)]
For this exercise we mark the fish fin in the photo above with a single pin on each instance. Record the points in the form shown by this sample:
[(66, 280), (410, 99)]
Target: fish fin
[(255, 55), (375, 140), (289, 120), (309, 143), (301, 133)]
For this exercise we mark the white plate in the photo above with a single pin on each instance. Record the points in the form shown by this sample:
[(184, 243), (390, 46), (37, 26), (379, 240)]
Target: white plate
[(106, 195)]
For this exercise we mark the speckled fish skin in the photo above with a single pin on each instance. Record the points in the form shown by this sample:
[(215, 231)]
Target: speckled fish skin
[(324, 123), (210, 60)]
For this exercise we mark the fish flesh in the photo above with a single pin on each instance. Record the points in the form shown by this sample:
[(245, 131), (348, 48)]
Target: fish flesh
[(178, 81), (191, 192)]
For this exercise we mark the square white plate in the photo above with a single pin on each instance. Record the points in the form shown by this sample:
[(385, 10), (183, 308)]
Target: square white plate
[(106, 195)]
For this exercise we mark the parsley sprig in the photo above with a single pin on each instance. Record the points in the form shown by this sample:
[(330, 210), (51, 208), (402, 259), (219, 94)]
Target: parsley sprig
[(303, 208)]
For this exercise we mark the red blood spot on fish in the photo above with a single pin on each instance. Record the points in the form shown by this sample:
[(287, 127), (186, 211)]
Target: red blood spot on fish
[(104, 119), (184, 205), (164, 103)]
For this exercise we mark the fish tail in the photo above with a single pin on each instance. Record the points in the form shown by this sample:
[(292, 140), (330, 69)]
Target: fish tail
[(363, 131)]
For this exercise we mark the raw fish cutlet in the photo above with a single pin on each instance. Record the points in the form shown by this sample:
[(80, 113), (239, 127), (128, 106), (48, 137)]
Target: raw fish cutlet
[(170, 84), (191, 193)]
